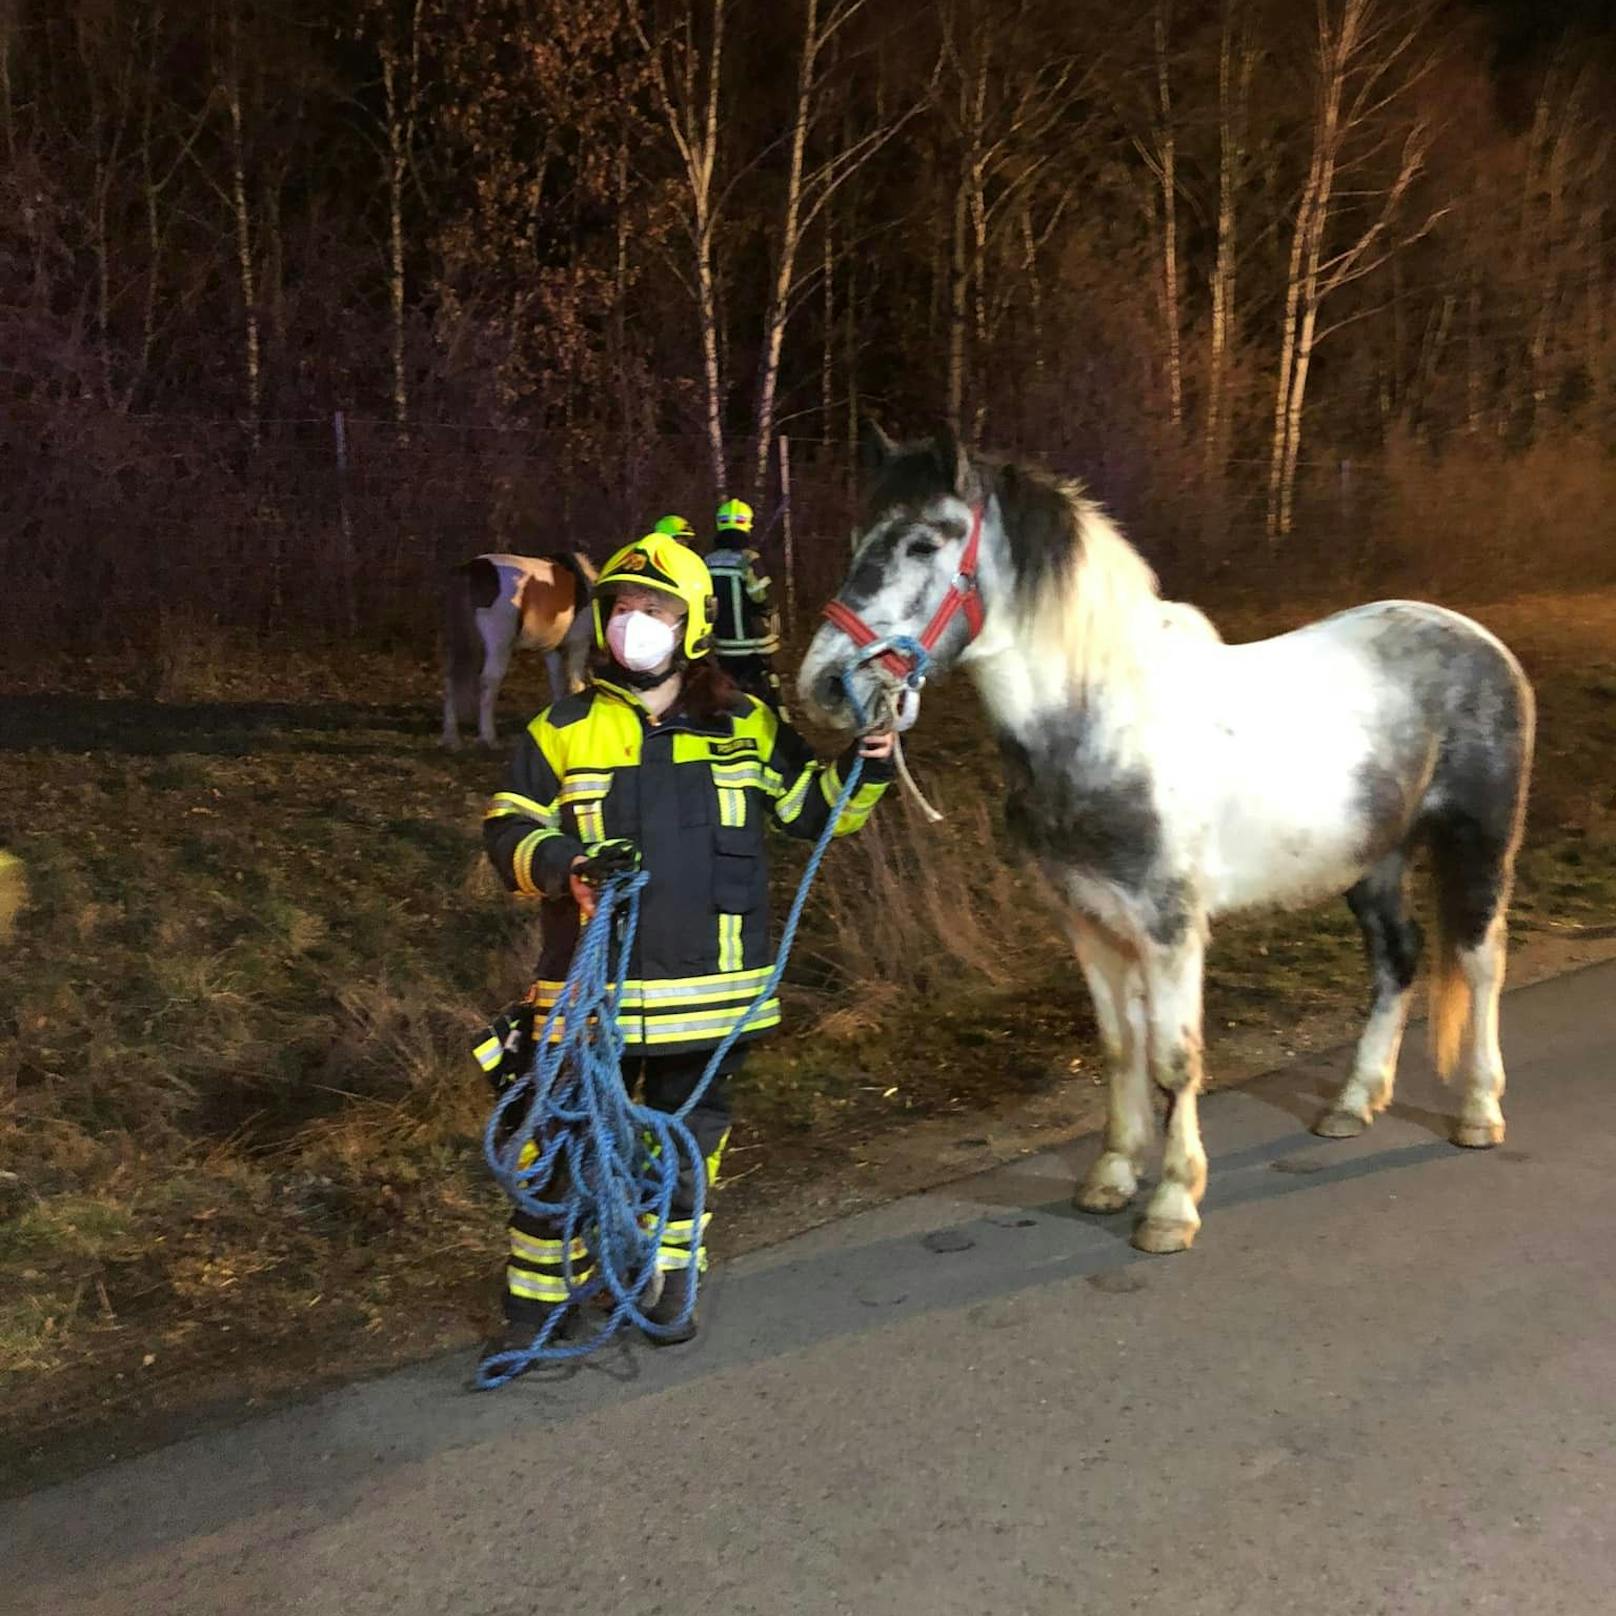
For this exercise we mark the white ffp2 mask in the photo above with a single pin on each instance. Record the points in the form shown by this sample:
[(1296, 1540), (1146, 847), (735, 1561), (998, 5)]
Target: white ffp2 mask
[(639, 641)]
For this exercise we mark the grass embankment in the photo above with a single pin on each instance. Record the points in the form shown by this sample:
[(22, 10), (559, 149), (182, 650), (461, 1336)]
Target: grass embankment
[(238, 1123)]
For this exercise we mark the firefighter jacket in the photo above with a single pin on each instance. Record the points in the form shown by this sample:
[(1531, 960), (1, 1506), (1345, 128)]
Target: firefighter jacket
[(745, 624), (695, 799)]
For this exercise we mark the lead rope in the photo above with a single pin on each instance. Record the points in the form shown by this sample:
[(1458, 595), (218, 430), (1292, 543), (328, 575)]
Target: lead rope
[(905, 778), (891, 695)]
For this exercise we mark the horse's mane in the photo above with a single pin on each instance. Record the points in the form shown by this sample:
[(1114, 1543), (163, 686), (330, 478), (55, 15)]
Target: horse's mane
[(1078, 585)]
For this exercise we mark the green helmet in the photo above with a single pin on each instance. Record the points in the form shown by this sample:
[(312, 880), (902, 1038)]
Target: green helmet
[(734, 516), (675, 527)]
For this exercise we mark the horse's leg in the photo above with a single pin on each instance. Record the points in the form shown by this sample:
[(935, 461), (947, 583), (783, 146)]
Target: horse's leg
[(1473, 871), (1392, 946), (1172, 973), (1481, 1117), (555, 672), (459, 655), (1117, 989), (499, 626)]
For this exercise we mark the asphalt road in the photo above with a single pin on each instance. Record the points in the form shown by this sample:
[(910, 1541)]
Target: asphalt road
[(1384, 1381)]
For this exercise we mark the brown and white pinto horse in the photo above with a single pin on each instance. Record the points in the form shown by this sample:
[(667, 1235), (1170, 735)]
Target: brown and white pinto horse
[(496, 604)]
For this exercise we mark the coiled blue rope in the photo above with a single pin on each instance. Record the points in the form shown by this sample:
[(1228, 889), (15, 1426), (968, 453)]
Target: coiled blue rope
[(617, 1162)]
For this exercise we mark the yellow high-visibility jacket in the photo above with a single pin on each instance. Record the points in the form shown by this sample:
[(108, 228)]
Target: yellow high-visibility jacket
[(695, 798)]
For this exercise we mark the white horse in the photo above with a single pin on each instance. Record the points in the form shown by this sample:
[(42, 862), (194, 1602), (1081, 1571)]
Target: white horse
[(497, 604), (1161, 777)]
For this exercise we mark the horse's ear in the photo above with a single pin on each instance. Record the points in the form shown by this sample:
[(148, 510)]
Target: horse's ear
[(954, 462), (875, 447)]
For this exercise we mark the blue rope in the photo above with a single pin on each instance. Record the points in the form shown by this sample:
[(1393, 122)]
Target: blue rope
[(617, 1162)]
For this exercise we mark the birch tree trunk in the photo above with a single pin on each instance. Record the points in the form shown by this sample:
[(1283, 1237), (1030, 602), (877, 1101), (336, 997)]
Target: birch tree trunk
[(1168, 175), (705, 220), (785, 269), (401, 103), (107, 59), (687, 90), (1363, 65), (1035, 290), (1234, 90), (957, 288), (153, 220), (1287, 345), (244, 245), (827, 354)]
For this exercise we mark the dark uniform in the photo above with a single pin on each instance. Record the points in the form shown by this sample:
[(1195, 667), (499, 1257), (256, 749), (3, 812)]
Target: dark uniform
[(696, 799), (746, 628)]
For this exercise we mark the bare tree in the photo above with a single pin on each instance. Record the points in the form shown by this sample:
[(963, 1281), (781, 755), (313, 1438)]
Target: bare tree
[(1011, 89), (1237, 58), (1159, 150), (401, 100), (1568, 149), (229, 76), (106, 65), (686, 78), (155, 179), (809, 190), (1366, 57)]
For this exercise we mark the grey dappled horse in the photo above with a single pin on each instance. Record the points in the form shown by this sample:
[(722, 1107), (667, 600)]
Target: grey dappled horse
[(1161, 777)]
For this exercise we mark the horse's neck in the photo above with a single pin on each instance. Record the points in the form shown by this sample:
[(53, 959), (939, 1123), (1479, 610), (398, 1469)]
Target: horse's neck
[(1028, 701), (1031, 682)]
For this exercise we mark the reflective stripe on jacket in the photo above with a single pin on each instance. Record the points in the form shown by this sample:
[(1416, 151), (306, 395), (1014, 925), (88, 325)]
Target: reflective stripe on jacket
[(745, 624)]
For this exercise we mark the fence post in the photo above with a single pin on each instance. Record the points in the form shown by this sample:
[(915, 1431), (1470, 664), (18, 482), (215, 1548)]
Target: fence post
[(785, 532)]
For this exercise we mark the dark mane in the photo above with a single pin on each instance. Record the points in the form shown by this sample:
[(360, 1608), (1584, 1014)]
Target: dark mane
[(1040, 513), (1040, 510)]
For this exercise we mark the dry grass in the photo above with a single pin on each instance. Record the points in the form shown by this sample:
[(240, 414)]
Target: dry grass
[(1477, 524)]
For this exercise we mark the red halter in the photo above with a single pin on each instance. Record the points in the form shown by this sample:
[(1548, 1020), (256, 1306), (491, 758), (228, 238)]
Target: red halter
[(963, 596)]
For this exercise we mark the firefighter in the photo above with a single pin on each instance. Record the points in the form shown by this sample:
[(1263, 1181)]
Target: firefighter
[(676, 527), (663, 751), (747, 634)]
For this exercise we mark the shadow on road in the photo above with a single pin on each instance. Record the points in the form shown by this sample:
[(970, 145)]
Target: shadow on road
[(945, 1257)]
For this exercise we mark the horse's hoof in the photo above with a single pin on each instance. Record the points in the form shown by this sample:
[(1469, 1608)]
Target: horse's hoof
[(1340, 1125), (1478, 1135), (1101, 1198), (1162, 1235)]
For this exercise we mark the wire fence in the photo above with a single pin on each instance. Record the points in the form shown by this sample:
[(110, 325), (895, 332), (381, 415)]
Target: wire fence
[(344, 526)]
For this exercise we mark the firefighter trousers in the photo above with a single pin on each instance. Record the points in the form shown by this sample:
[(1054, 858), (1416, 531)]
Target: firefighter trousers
[(537, 1271)]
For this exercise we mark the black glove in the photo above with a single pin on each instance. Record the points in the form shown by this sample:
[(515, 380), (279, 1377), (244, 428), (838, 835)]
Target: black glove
[(607, 859)]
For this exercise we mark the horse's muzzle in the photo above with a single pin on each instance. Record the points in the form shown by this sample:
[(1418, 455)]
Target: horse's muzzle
[(828, 696)]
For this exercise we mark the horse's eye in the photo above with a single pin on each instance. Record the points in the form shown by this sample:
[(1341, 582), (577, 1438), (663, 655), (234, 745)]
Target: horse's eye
[(921, 548)]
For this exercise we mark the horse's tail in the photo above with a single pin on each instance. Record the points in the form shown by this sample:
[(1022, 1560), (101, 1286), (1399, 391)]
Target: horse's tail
[(582, 571), (1473, 862), (462, 645), (1450, 996)]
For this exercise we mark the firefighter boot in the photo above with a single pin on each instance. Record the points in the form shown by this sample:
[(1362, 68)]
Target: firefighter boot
[(677, 1269)]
